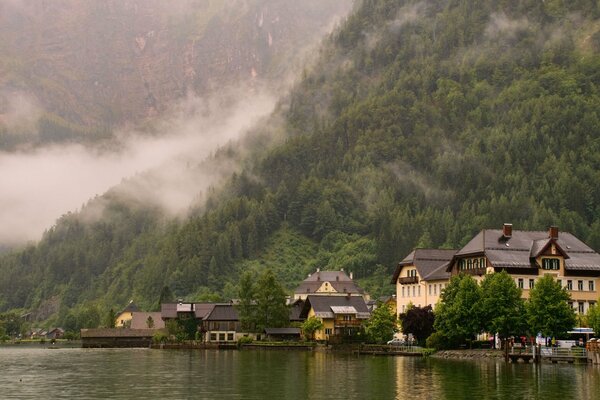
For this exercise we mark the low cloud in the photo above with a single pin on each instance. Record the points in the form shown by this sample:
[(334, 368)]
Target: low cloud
[(500, 25), (19, 112), (40, 185)]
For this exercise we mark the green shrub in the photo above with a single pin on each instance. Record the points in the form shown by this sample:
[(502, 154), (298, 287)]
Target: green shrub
[(244, 340), (160, 337), (437, 340)]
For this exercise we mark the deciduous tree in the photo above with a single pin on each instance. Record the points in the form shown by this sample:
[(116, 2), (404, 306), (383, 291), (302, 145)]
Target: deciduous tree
[(548, 311)]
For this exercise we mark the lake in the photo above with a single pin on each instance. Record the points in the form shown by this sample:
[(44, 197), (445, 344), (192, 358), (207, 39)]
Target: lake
[(74, 373)]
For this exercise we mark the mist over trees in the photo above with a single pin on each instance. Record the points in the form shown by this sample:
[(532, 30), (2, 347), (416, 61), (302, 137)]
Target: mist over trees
[(420, 123)]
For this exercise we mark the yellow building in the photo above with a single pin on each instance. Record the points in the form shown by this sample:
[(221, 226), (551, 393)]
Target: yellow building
[(528, 255), (421, 277), (124, 318), (329, 283), (341, 315)]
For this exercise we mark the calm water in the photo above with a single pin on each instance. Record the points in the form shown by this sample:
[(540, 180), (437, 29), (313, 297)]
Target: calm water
[(34, 373)]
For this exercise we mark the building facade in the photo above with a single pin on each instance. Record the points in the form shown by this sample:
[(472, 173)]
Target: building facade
[(328, 283), (341, 315), (524, 255), (421, 277), (529, 255)]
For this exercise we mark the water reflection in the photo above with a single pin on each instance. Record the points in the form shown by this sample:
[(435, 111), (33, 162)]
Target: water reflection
[(28, 373)]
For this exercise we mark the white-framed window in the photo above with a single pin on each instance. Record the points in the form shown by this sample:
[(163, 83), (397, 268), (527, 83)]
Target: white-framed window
[(531, 283), (581, 308), (520, 283), (569, 285), (413, 291), (419, 291), (435, 289), (591, 286), (580, 286), (430, 285), (328, 331), (402, 291)]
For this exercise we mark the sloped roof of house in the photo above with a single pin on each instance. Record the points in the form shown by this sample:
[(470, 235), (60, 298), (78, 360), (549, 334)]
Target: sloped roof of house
[(282, 331), (201, 310), (328, 306), (339, 280), (116, 332), (139, 320), (430, 263), (518, 249), (131, 307), (222, 312)]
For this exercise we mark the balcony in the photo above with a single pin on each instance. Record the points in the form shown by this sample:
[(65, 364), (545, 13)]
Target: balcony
[(407, 280), (473, 271), (354, 323)]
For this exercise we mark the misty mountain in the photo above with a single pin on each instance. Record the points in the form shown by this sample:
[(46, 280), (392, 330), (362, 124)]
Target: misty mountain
[(75, 71), (118, 88), (420, 123)]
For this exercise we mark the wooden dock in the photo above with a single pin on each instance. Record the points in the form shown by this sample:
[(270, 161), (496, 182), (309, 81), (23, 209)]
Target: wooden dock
[(554, 355), (593, 351)]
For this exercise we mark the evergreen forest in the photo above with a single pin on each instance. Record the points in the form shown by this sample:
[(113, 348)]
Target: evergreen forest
[(419, 124)]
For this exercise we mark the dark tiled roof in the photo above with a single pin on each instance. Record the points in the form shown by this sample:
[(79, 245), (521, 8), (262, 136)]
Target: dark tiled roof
[(116, 332), (282, 331), (323, 304), (201, 310), (339, 280), (222, 312), (517, 251), (131, 307), (427, 261)]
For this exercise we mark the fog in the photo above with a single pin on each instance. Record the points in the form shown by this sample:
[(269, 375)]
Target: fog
[(40, 185)]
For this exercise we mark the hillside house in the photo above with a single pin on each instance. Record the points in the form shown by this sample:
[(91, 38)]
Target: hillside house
[(421, 277), (528, 255), (341, 315), (328, 283), (123, 319)]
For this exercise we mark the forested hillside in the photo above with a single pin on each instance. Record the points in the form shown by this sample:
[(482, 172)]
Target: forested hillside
[(421, 123)]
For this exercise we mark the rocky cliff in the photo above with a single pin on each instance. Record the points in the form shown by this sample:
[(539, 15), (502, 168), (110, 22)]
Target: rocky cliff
[(104, 63)]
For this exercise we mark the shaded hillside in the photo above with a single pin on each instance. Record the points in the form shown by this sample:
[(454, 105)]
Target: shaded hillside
[(422, 123), (87, 67)]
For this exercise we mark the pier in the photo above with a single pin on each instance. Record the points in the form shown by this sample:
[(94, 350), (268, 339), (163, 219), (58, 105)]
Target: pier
[(554, 355)]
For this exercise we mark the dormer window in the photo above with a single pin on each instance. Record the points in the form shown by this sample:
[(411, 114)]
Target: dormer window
[(551, 264)]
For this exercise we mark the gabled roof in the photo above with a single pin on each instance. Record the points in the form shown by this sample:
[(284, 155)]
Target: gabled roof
[(518, 250), (282, 331), (222, 312), (339, 280), (139, 320), (326, 306), (427, 262), (131, 307)]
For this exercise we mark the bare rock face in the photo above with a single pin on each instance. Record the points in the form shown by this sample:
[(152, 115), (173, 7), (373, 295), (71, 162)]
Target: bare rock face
[(105, 63)]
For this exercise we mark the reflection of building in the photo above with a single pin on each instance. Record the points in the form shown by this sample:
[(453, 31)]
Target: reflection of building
[(420, 278), (525, 255), (341, 315), (332, 283), (124, 317)]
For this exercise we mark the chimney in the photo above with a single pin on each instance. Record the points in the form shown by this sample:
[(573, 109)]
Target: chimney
[(351, 275), (507, 231), (553, 232)]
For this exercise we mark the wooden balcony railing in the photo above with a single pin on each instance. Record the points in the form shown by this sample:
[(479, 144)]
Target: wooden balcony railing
[(407, 280)]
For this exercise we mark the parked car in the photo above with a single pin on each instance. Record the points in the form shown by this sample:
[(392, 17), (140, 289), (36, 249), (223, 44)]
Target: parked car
[(396, 342)]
